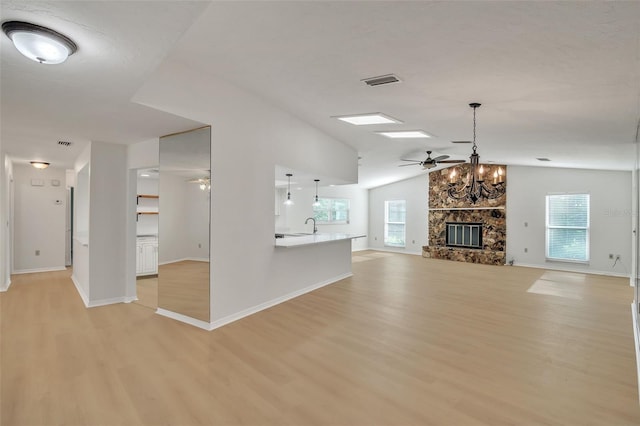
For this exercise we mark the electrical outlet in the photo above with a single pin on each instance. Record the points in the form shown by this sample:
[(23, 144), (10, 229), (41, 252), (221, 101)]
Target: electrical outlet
[(37, 252), (413, 241), (526, 250), (610, 255)]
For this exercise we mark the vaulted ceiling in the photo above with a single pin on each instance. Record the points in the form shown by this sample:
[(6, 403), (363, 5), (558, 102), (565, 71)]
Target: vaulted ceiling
[(559, 80)]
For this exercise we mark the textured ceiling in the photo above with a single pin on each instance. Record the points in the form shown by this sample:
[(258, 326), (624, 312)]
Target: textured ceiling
[(556, 79)]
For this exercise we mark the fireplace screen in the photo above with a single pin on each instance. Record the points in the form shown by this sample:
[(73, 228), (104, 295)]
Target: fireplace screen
[(464, 234)]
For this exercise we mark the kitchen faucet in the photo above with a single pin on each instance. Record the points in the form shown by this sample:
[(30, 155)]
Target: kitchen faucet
[(314, 224)]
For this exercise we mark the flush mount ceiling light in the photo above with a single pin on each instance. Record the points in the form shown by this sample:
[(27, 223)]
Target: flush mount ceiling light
[(39, 164), (38, 43), (370, 118), (402, 134), (288, 201)]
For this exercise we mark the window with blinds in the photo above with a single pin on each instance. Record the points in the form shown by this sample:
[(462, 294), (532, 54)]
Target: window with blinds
[(567, 227), (395, 213)]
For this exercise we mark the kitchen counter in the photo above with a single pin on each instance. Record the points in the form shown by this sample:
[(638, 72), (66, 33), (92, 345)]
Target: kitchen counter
[(305, 240)]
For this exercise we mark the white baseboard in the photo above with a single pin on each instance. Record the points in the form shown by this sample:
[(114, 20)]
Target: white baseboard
[(400, 251), (83, 296), (102, 302), (6, 286), (36, 270), (636, 339), (580, 271), (194, 259), (110, 301), (183, 318), (249, 311)]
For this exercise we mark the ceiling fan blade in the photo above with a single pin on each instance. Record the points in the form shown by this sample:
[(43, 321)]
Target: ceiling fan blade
[(460, 141), (413, 161), (452, 161), (440, 158), (412, 164)]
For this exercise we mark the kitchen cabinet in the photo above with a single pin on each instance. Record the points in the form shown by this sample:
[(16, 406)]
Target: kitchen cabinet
[(147, 256)]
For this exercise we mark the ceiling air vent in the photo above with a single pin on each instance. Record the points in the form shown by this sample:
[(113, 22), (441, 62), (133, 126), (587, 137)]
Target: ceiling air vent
[(382, 79), (543, 159), (64, 143)]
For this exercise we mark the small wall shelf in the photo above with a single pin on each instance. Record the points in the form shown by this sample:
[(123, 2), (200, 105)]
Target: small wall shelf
[(145, 196)]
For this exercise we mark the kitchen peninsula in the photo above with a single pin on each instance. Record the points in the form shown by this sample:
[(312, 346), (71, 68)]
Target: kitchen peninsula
[(297, 240)]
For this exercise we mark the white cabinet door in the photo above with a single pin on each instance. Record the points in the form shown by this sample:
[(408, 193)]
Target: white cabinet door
[(150, 258), (146, 256), (138, 258)]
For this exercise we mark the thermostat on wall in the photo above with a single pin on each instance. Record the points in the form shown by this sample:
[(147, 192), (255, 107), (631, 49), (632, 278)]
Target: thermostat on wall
[(55, 182)]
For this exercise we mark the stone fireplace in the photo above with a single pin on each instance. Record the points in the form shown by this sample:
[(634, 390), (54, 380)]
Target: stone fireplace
[(462, 231)]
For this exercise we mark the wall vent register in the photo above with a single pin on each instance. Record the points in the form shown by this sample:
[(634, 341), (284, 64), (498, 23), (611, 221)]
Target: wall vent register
[(464, 234)]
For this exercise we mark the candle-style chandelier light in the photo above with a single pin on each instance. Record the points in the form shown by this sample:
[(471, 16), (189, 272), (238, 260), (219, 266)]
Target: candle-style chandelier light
[(475, 186)]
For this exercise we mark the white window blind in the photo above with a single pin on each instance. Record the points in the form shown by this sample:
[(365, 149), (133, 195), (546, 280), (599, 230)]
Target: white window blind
[(567, 230), (394, 223)]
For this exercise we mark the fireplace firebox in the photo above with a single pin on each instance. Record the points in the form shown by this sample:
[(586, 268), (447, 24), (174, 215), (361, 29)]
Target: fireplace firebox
[(464, 235)]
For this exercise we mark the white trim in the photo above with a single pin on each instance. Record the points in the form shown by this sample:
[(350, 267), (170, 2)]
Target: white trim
[(415, 253), (581, 271), (183, 318), (84, 297), (636, 339), (111, 301), (6, 286), (36, 270), (255, 309), (194, 259), (249, 311)]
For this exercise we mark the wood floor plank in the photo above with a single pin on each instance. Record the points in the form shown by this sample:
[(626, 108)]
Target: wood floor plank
[(404, 341)]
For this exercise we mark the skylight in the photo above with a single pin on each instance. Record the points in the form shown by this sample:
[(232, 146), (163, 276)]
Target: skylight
[(370, 118), (406, 134)]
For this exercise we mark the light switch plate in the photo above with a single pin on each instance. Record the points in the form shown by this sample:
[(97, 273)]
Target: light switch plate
[(55, 182), (37, 182)]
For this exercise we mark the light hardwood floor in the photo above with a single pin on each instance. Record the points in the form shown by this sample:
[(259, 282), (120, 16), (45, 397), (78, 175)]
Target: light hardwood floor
[(405, 341)]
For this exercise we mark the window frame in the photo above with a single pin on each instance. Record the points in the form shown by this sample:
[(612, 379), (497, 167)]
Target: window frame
[(387, 222), (330, 210), (587, 229)]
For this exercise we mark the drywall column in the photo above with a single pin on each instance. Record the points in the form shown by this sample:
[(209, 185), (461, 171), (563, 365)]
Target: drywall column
[(100, 261)]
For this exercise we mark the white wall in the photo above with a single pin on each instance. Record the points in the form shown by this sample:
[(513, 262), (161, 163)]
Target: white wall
[(6, 185), (611, 216), (197, 225), (102, 259), (416, 193), (292, 218), (39, 219), (248, 271), (172, 242)]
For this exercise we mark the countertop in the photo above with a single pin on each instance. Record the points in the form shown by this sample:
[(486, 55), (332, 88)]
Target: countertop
[(305, 240)]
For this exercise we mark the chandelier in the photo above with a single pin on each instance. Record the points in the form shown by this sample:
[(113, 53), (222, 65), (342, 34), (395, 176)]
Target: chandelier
[(475, 187)]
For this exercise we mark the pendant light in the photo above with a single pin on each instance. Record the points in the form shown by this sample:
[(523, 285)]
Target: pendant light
[(288, 201), (39, 43), (316, 203)]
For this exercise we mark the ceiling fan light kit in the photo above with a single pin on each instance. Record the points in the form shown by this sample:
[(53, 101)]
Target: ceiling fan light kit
[(476, 186)]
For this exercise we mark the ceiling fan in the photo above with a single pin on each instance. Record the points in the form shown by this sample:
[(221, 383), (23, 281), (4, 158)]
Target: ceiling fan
[(429, 162)]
